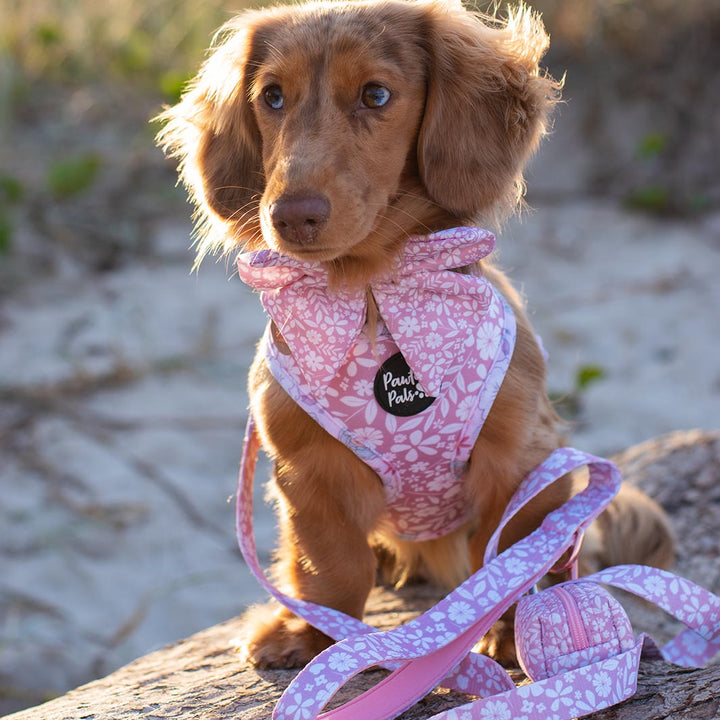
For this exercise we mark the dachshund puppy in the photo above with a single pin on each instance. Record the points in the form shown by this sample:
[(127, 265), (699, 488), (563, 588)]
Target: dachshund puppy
[(332, 133)]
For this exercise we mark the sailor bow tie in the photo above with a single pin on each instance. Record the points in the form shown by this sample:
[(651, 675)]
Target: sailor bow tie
[(431, 312)]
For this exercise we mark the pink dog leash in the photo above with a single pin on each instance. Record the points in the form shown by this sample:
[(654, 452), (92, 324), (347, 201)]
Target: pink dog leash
[(427, 651), (574, 640)]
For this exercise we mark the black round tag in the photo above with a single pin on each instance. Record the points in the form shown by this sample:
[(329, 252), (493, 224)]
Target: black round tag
[(397, 390)]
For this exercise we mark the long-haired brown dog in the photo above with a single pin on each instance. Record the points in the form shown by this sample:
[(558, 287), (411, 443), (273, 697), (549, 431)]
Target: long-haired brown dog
[(331, 132)]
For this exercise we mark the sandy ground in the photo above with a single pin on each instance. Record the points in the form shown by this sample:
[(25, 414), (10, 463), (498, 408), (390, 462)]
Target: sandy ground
[(124, 406)]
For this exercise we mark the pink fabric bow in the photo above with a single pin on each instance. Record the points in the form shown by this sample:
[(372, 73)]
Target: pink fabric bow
[(431, 312)]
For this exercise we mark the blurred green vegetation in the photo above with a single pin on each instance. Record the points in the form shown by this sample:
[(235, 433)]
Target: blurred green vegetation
[(71, 176), (586, 375), (11, 192), (155, 44), (569, 405), (79, 81)]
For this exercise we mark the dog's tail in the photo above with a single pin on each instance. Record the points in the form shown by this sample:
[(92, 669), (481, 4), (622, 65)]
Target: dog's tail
[(633, 529)]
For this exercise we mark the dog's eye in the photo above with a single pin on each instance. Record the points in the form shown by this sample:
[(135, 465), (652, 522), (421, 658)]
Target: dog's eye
[(274, 97), (374, 96)]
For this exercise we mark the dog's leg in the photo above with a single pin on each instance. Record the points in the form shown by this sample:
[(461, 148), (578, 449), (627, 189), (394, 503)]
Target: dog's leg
[(328, 502), (323, 557)]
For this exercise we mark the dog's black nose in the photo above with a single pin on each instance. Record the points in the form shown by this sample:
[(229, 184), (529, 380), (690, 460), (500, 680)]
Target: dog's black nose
[(298, 219)]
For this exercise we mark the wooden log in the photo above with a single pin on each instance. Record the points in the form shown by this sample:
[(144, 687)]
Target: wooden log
[(202, 677)]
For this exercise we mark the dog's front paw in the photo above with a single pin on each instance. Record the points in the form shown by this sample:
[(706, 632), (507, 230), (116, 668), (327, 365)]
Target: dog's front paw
[(274, 639), (499, 643)]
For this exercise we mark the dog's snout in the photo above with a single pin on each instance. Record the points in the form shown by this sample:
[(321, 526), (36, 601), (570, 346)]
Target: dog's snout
[(299, 219)]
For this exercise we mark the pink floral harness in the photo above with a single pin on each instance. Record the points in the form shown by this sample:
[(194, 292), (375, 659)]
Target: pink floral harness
[(411, 399), (574, 640)]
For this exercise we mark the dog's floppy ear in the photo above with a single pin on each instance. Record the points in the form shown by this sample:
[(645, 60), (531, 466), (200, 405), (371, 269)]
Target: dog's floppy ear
[(486, 110), (212, 131)]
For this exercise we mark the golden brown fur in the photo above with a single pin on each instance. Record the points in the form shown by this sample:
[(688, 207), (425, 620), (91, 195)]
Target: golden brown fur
[(467, 108)]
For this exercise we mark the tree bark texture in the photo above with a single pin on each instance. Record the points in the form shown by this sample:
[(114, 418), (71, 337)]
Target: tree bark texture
[(202, 677)]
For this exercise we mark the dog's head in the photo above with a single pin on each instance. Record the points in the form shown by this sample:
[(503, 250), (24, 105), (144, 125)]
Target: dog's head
[(330, 131)]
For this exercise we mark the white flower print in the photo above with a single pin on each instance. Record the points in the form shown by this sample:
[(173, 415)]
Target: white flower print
[(465, 407), (369, 435), (363, 387), (694, 645), (426, 445), (515, 566), (655, 585), (527, 706), (300, 707), (438, 484), (597, 623), (560, 695), (408, 325), (342, 662), (300, 302), (694, 611), (314, 361), (603, 683), (555, 461), (419, 466), (495, 710), (421, 640), (460, 612)]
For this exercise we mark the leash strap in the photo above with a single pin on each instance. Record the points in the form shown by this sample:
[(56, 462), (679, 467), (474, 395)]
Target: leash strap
[(575, 693), (562, 697), (332, 622), (433, 648), (694, 606)]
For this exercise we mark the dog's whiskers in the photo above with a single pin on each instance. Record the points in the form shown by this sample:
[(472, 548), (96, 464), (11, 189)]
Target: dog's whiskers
[(243, 211)]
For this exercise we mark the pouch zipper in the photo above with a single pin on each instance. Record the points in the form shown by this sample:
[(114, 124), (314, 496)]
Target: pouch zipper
[(572, 610)]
